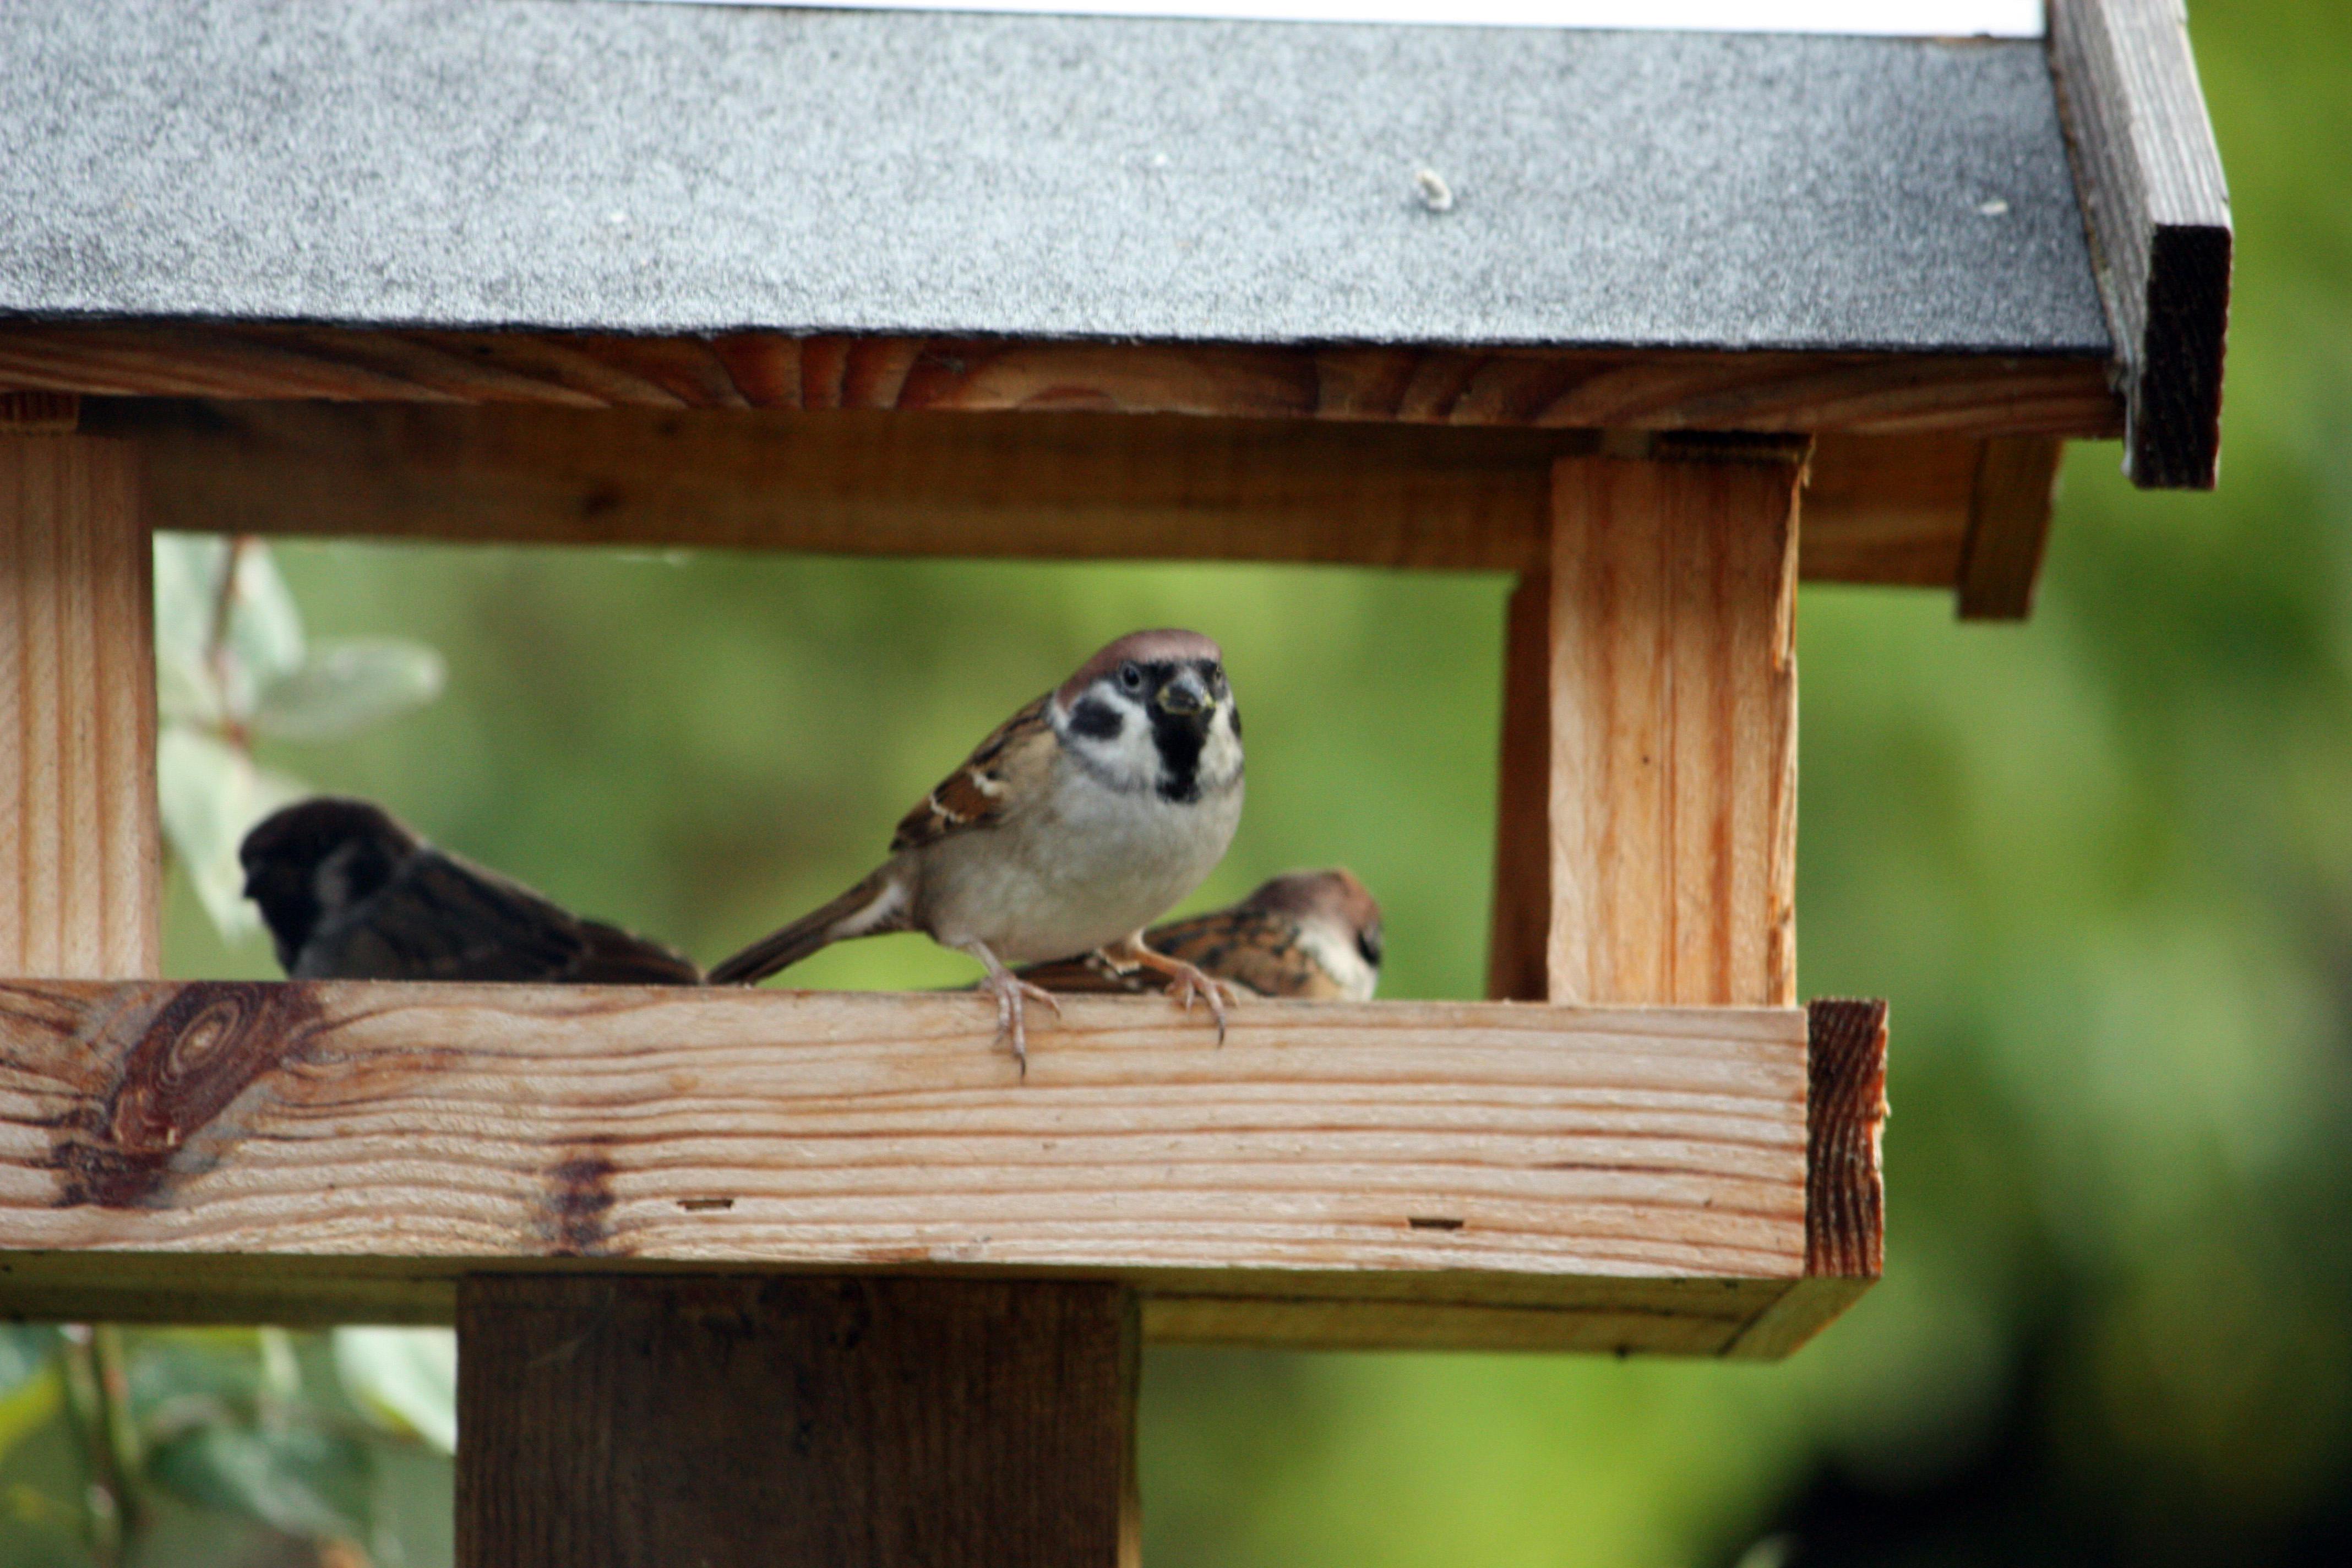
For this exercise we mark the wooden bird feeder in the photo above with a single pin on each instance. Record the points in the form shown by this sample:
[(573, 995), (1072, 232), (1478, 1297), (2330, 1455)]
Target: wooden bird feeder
[(811, 1278)]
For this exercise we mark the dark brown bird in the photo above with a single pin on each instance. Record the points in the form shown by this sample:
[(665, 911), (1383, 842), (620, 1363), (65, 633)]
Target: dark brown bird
[(1314, 934), (350, 894)]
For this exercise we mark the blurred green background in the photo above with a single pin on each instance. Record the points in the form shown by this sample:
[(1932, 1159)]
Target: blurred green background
[(2102, 864)]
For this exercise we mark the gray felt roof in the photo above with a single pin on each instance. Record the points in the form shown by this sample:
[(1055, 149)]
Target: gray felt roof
[(678, 169)]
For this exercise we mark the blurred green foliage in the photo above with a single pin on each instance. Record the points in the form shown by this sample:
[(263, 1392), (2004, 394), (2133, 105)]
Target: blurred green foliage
[(2101, 863)]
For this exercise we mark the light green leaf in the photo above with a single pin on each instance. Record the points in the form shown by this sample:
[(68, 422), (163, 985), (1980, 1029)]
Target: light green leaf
[(406, 1378), (301, 1480), (188, 581), (210, 795), (347, 685), (263, 641)]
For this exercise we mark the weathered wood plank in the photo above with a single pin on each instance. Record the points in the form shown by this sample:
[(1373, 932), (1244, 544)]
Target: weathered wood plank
[(617, 1421), (1878, 508), (2158, 212), (2009, 527), (1672, 690), (78, 885), (1424, 1171), (1630, 389)]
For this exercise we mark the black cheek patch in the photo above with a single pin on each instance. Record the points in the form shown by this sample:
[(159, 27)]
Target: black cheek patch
[(1095, 719)]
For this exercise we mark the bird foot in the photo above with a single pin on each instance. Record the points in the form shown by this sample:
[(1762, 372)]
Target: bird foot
[(1187, 983), (1010, 989)]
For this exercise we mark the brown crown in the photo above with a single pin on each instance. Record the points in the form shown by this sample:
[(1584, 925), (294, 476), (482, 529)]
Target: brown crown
[(1335, 893), (1164, 646)]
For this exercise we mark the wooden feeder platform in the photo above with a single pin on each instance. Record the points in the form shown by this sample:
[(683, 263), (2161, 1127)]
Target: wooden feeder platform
[(1658, 322)]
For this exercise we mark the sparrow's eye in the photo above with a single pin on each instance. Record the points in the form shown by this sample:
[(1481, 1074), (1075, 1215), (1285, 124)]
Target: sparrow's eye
[(1368, 944), (1131, 675)]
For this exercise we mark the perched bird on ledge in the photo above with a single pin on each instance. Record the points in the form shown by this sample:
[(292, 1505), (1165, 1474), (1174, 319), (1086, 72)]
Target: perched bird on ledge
[(1309, 934), (350, 894), (1086, 815)]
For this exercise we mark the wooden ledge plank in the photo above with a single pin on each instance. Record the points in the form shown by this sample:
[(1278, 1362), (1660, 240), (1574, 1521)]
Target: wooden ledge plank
[(1878, 508), (2158, 212), (1887, 394), (1395, 1172)]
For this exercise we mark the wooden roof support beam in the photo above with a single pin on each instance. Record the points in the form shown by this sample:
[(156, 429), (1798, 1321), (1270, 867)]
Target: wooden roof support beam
[(2158, 212), (2009, 526), (78, 859), (1878, 508), (1657, 810)]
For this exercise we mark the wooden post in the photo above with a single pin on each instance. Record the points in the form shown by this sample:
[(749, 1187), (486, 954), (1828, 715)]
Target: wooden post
[(78, 884), (818, 1422), (1647, 842)]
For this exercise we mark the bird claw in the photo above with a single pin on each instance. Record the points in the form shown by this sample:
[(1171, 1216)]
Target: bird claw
[(1010, 990), (1187, 982)]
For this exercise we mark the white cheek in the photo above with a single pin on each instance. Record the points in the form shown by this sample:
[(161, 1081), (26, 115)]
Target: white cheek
[(1221, 757), (1336, 950)]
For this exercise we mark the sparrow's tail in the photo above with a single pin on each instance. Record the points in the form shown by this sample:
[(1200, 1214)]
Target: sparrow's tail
[(878, 904)]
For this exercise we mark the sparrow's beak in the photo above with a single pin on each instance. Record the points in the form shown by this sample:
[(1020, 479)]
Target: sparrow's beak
[(1185, 694)]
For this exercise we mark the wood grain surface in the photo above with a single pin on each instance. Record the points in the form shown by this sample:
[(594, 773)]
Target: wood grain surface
[(1673, 697), (2009, 527), (79, 856), (617, 1421), (2158, 212), (1396, 1173), (1885, 394), (1878, 508)]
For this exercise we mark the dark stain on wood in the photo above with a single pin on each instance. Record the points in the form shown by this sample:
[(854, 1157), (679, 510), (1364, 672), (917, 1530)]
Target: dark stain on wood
[(580, 1202), (1845, 1108), (181, 1066)]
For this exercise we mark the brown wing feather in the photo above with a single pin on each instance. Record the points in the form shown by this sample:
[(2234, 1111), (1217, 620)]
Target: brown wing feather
[(1252, 948), (1248, 947), (979, 794)]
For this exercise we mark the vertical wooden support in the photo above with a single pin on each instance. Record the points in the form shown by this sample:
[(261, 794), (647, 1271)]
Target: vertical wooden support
[(1648, 847), (818, 1422), (78, 886), (2009, 526), (1519, 935)]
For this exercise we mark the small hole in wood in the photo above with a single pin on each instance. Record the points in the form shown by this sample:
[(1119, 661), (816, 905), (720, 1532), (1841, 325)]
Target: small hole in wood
[(704, 1205), (1434, 1222)]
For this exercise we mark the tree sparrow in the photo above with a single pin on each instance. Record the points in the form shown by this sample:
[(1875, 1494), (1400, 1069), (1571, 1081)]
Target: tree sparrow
[(1310, 935), (1084, 814), (350, 894)]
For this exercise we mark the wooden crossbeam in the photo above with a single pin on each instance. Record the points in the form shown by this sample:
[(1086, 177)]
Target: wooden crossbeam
[(1878, 508), (1400, 1173)]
